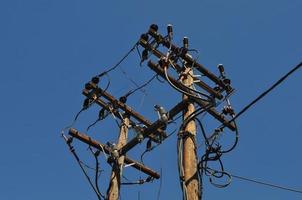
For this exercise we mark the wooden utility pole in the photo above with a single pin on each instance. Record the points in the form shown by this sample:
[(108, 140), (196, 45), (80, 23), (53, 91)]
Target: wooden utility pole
[(115, 179), (189, 146), (187, 149)]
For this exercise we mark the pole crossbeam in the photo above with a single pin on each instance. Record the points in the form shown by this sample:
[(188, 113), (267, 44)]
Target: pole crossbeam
[(197, 81), (157, 124), (98, 92), (188, 58), (160, 71), (104, 148)]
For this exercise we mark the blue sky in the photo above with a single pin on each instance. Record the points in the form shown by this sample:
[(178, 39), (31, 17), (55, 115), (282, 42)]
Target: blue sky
[(50, 49)]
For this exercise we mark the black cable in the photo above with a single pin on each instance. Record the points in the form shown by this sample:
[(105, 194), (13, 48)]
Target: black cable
[(119, 62), (236, 139), (74, 120), (140, 87), (194, 114), (223, 173), (266, 92), (102, 115), (102, 91), (72, 150), (191, 89), (93, 124), (180, 90), (203, 131), (267, 184), (90, 102), (189, 118), (96, 181), (128, 77), (87, 166)]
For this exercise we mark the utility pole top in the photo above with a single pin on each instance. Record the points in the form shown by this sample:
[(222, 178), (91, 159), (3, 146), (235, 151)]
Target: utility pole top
[(200, 92)]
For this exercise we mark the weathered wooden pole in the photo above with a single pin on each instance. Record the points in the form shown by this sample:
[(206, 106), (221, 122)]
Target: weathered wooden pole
[(189, 146), (115, 179)]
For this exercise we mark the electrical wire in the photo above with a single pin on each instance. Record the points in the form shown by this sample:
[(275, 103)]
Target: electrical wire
[(102, 91), (219, 153), (73, 122), (267, 184), (72, 150), (88, 167), (141, 86), (102, 115), (192, 89), (189, 118), (129, 78), (180, 90), (278, 82), (96, 181), (119, 62), (223, 173)]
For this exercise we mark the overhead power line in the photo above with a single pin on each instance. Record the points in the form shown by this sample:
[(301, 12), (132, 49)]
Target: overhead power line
[(267, 91), (267, 184), (119, 62)]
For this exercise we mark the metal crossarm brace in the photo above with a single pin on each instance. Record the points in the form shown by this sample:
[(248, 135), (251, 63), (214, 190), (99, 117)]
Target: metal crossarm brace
[(104, 148)]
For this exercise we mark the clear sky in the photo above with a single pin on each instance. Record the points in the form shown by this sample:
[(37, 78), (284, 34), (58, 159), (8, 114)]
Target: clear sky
[(50, 49)]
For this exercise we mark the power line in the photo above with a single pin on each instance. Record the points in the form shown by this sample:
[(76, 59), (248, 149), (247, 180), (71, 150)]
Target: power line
[(119, 62), (72, 150), (267, 184), (267, 91), (141, 86)]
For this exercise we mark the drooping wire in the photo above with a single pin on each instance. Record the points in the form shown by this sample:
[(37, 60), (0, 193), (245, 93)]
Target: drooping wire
[(96, 181), (102, 115), (102, 91), (214, 154), (141, 86), (191, 89), (88, 167), (180, 90), (219, 152), (130, 79), (189, 118), (87, 103), (72, 150), (213, 173), (119, 62), (74, 121)]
